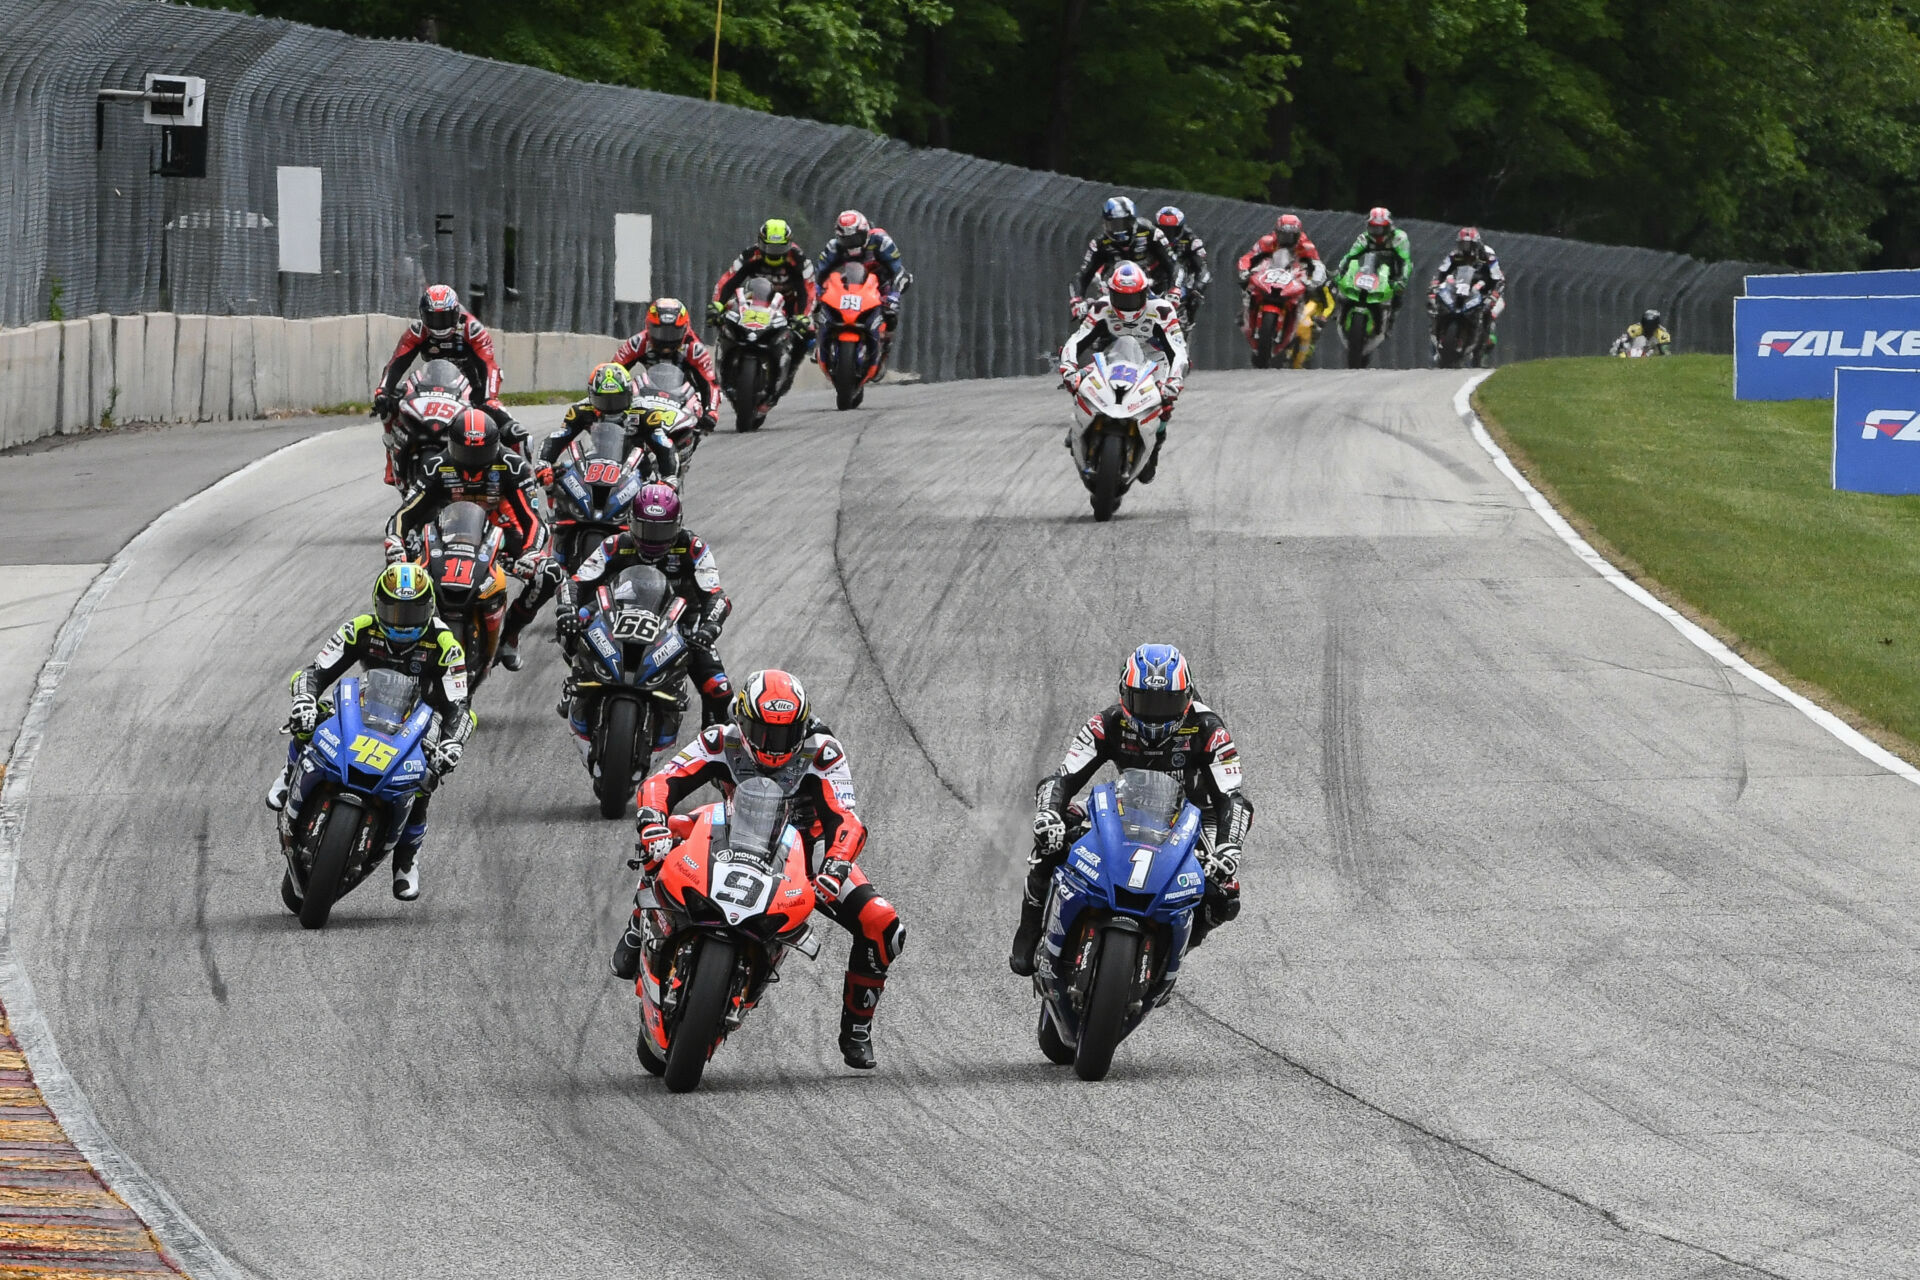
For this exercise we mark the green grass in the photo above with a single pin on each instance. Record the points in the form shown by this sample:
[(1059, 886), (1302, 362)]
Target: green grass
[(510, 398), (1725, 509)]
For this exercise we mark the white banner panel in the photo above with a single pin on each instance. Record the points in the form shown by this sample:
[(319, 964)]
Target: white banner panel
[(300, 220)]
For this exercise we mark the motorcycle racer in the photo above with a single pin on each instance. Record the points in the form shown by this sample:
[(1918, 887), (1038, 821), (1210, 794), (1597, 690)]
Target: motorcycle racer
[(1128, 311), (1659, 341), (400, 634), (1472, 249), (654, 536), (1289, 236), (1159, 725), (609, 395), (775, 256), (1190, 252), (448, 331), (1125, 237), (476, 469), (1381, 235), (857, 240), (774, 735), (668, 336)]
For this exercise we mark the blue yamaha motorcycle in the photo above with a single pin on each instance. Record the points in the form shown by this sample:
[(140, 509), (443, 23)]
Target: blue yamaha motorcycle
[(352, 791), (1118, 917)]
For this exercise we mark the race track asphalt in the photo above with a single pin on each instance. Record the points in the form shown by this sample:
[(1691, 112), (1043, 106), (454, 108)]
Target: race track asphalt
[(1566, 953)]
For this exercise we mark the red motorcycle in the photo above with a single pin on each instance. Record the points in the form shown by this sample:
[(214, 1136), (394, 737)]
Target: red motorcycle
[(461, 550), (1276, 321), (429, 401), (851, 345)]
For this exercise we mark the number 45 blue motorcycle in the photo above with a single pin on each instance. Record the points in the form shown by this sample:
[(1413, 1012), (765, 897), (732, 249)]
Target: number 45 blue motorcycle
[(1118, 917)]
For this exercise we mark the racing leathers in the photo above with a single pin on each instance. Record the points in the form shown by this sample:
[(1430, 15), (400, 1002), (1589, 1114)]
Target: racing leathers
[(505, 490), (792, 277), (582, 416), (694, 575), (879, 255), (694, 358), (1146, 245), (470, 347), (820, 787), (1190, 252), (436, 661), (1319, 297), (1159, 329), (1659, 342), (1493, 282), (1200, 752), (1399, 261)]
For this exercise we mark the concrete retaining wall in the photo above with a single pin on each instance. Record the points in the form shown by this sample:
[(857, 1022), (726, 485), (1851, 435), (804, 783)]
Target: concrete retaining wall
[(66, 376)]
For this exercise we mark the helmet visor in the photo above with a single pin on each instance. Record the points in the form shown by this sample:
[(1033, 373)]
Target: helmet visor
[(664, 336), (404, 620), (656, 536), (1156, 706), (612, 401), (772, 742), (473, 457), (1120, 228), (441, 322), (1128, 303)]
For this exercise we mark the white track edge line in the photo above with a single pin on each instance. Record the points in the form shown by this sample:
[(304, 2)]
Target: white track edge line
[(190, 1247), (1696, 635)]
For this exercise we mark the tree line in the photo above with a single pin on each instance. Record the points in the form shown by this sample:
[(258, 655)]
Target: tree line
[(1772, 130)]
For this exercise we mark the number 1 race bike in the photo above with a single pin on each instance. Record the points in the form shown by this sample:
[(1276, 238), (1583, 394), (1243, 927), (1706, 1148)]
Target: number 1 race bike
[(663, 400), (726, 906), (1116, 400), (417, 427), (594, 483), (851, 345), (629, 672), (461, 550), (1118, 916), (754, 337), (1459, 318), (1364, 298), (1276, 296), (355, 782)]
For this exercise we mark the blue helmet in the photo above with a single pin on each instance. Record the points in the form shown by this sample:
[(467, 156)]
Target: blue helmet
[(1156, 691), (1117, 216)]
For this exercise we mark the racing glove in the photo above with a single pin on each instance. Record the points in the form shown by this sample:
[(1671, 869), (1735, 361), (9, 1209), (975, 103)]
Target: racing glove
[(444, 757), (1222, 863), (1221, 903), (831, 883), (1173, 387), (384, 403), (304, 715), (655, 839), (395, 547), (716, 309), (704, 635), (1049, 834)]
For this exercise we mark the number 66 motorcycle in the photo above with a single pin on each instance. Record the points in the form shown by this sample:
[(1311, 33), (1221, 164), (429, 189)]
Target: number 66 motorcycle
[(729, 902), (1118, 917)]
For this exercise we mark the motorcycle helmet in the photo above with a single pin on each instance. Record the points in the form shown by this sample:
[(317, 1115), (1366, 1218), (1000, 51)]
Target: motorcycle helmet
[(1649, 322), (1379, 226), (771, 712), (610, 386), (852, 229), (1470, 243), (668, 325), (439, 311), (1155, 692), (655, 520), (1170, 220), (1117, 216), (403, 603), (473, 441), (1287, 231), (776, 237), (1127, 290)]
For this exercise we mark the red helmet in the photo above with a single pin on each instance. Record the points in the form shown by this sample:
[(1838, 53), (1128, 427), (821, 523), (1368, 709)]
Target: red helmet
[(1127, 289), (1287, 231), (771, 713), (851, 229), (473, 441), (667, 324), (440, 310), (1379, 224)]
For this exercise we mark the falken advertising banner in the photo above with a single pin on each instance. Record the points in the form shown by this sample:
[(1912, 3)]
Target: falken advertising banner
[(1836, 284), (1876, 430), (1788, 348)]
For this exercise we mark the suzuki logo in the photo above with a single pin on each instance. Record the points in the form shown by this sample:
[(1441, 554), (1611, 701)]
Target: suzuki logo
[(1832, 342), (1896, 424)]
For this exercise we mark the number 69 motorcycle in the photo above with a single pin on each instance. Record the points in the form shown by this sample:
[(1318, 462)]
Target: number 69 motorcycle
[(727, 905), (1118, 917)]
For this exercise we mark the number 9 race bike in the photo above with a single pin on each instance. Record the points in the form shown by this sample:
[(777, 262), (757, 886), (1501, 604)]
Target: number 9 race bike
[(754, 336), (727, 905), (1116, 399), (626, 686), (1364, 297), (355, 782), (1118, 916), (461, 550)]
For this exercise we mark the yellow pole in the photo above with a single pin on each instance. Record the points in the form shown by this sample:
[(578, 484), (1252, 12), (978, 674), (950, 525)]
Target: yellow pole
[(713, 83)]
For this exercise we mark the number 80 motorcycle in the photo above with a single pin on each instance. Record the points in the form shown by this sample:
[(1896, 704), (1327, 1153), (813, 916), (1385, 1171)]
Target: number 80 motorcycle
[(725, 907)]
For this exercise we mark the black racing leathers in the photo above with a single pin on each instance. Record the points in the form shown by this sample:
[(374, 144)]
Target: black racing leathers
[(582, 416), (505, 490), (1146, 245)]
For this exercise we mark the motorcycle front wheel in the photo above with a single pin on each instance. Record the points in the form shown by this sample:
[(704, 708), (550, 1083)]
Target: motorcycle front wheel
[(746, 393), (1263, 348), (1110, 459), (329, 867), (1353, 327), (703, 1008), (846, 375), (1105, 1019), (620, 739)]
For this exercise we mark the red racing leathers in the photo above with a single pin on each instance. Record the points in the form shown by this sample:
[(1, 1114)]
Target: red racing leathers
[(694, 358), (820, 785), (470, 347)]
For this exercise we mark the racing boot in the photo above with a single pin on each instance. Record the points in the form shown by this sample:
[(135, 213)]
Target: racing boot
[(509, 653), (856, 1019), (277, 793), (626, 952), (1152, 468), (406, 858), (1026, 939)]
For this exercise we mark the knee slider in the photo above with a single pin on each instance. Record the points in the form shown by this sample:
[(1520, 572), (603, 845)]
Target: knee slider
[(879, 923)]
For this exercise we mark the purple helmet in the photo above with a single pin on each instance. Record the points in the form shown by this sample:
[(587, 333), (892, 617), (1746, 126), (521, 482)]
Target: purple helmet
[(656, 519)]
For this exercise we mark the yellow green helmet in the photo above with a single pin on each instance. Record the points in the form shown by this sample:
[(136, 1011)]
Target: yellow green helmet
[(403, 602), (610, 387), (776, 237)]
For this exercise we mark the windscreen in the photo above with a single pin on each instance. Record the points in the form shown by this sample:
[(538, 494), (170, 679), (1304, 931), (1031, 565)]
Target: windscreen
[(606, 440), (1127, 351), (853, 273), (387, 698), (757, 814), (463, 524), (1149, 805), (760, 291), (642, 587), (442, 374), (666, 378)]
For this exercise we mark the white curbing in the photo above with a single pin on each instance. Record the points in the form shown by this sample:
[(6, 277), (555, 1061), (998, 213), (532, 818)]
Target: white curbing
[(1696, 635)]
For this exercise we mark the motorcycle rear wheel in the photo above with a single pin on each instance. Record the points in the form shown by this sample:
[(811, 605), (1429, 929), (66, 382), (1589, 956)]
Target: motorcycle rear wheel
[(702, 1011), (329, 867), (1263, 349), (1108, 463), (1105, 1019), (620, 739), (746, 394)]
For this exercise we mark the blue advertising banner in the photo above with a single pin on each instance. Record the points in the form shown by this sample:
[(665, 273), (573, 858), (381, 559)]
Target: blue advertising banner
[(1835, 284), (1788, 348), (1876, 430)]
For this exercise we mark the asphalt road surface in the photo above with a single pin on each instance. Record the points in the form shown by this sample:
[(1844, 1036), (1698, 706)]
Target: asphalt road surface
[(1565, 953)]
